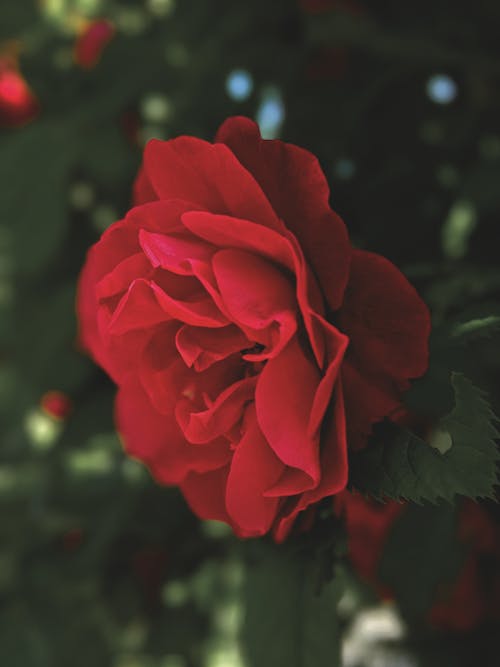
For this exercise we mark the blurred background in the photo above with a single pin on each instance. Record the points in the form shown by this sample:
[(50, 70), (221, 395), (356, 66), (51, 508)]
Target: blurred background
[(401, 103)]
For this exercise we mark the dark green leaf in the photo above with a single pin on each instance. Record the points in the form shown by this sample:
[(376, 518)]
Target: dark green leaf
[(400, 465), (421, 553)]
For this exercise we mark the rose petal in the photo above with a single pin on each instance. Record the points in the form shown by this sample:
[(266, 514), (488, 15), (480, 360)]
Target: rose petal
[(201, 311), (139, 308), (291, 482), (219, 418), (143, 190), (284, 397), (387, 322), (174, 252), (163, 217), (295, 184), (257, 296), (368, 399), (156, 440), (230, 232), (116, 244), (122, 275), (201, 347), (254, 467), (336, 345), (206, 494), (334, 466), (208, 174)]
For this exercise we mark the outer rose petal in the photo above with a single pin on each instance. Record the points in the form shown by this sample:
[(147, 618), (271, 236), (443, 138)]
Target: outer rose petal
[(254, 468), (117, 243), (206, 494), (387, 322), (293, 181), (283, 398), (156, 439), (388, 326), (334, 467), (368, 400), (143, 190), (209, 175)]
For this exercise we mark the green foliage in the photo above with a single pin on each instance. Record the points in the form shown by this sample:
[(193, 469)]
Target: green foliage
[(401, 465), (424, 542), (287, 622)]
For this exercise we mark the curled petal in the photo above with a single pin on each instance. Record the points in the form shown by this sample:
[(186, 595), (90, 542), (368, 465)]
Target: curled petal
[(119, 279), (156, 440), (173, 252), (201, 311), (220, 417), (334, 467), (201, 347), (139, 308), (335, 344)]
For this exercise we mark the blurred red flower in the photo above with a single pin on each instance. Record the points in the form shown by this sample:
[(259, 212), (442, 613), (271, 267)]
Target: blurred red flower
[(472, 598), (92, 41), (18, 103), (56, 404)]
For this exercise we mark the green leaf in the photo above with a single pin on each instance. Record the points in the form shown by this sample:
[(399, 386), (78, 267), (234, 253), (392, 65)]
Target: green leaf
[(423, 542), (287, 622), (399, 465), (479, 327)]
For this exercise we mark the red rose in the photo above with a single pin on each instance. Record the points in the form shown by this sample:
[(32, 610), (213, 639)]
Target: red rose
[(223, 305)]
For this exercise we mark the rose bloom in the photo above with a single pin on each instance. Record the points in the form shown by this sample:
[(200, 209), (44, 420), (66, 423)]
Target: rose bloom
[(249, 341)]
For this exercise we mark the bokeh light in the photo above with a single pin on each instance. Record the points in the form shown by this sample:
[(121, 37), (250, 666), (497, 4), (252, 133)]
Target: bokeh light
[(239, 85), (271, 113), (441, 89)]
